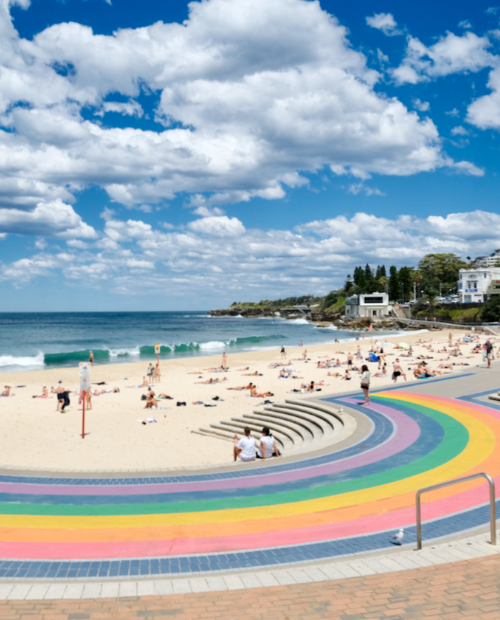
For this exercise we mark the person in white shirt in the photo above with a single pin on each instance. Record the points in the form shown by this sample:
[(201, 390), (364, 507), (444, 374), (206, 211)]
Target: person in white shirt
[(268, 447), (365, 383), (245, 447)]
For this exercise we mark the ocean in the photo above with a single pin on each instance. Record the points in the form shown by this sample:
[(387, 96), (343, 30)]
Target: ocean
[(34, 341)]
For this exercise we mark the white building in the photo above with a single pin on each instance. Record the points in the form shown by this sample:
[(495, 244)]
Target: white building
[(369, 305), (488, 261), (478, 284)]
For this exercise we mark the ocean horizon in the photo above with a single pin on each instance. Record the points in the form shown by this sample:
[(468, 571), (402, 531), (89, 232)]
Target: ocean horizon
[(38, 340)]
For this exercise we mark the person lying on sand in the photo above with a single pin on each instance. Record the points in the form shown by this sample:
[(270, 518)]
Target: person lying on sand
[(211, 380), (254, 394), (242, 369), (253, 374), (241, 388), (165, 397), (334, 374)]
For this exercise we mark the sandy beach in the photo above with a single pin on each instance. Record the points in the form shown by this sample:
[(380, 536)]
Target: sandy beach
[(36, 435)]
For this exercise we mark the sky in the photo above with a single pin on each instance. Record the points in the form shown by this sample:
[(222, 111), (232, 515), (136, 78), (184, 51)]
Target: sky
[(185, 155)]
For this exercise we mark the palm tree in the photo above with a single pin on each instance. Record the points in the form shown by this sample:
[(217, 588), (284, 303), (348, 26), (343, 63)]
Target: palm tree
[(384, 281), (417, 277)]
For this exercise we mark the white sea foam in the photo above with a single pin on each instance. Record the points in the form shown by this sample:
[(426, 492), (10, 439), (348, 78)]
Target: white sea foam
[(334, 327), (123, 352), (214, 344), (10, 360), (298, 322)]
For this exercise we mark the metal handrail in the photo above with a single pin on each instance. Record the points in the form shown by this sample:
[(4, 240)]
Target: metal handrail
[(493, 530)]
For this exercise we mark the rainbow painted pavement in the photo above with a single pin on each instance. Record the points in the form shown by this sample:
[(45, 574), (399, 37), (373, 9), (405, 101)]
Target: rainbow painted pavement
[(321, 507)]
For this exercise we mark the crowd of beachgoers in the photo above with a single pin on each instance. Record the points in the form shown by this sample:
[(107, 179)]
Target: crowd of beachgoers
[(175, 397)]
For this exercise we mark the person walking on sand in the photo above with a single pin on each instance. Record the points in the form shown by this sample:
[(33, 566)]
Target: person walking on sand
[(224, 360), (283, 353), (488, 347), (365, 383), (60, 391), (91, 358), (397, 370)]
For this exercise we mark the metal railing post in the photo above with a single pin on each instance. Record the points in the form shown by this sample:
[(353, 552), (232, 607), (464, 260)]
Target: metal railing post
[(493, 530)]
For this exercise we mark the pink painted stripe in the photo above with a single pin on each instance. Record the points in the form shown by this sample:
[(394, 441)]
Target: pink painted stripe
[(407, 433)]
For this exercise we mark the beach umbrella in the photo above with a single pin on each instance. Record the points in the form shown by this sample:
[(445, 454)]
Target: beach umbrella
[(404, 345)]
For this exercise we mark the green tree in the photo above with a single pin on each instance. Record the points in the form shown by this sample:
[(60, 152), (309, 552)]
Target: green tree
[(394, 291), (440, 269), (406, 283), (370, 284), (491, 309), (359, 277), (348, 285)]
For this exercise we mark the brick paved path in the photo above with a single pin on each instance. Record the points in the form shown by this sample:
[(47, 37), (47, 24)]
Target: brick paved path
[(468, 589)]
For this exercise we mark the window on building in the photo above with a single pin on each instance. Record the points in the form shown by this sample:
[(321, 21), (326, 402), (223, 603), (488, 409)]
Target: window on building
[(374, 300)]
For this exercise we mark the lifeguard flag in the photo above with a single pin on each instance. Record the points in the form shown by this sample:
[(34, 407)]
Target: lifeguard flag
[(370, 328)]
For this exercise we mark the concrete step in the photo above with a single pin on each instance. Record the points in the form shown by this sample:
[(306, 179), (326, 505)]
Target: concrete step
[(286, 430), (311, 429), (277, 423), (316, 423)]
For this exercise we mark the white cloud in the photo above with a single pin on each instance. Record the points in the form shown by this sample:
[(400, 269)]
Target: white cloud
[(451, 54), (384, 22), (218, 226), (459, 131), (453, 112), (130, 108), (422, 106), (251, 93), (357, 188), (465, 23), (48, 219), (484, 112)]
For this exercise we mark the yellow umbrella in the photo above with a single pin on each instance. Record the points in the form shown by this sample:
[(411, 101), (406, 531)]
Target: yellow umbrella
[(404, 345)]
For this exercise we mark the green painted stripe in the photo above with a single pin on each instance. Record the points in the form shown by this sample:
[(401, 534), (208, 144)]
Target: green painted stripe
[(456, 438)]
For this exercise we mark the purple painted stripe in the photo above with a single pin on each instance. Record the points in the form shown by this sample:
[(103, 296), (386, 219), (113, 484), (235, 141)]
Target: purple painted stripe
[(407, 432)]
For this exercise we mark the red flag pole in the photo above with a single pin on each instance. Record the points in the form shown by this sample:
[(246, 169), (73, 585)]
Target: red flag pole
[(83, 415)]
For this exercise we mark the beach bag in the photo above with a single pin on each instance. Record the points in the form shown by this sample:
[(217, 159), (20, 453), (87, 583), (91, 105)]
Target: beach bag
[(365, 386)]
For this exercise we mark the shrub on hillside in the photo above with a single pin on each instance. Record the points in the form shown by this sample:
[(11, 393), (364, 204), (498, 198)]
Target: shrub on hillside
[(491, 309)]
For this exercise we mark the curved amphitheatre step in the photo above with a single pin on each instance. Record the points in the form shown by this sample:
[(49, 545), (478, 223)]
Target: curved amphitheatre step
[(298, 425)]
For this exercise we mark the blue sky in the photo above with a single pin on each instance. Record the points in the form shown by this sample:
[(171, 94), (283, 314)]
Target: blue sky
[(160, 155)]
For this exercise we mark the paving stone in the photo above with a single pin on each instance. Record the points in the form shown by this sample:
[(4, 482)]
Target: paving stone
[(55, 590), (37, 592), (233, 582), (110, 589), (200, 585), (19, 592), (145, 588), (73, 590), (127, 588), (91, 590), (164, 587), (251, 581), (181, 586)]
